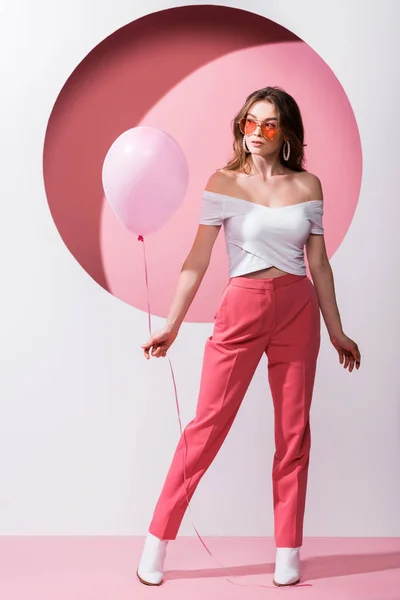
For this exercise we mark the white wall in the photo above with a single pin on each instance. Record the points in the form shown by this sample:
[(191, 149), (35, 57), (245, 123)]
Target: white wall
[(87, 428)]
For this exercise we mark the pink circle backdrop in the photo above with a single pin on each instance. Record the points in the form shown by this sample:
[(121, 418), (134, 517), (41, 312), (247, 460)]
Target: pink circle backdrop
[(190, 85)]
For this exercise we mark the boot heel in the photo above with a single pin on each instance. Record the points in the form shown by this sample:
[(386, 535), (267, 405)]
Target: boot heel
[(147, 582)]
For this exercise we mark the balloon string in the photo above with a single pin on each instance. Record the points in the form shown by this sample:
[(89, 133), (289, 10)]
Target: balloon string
[(141, 239), (241, 584)]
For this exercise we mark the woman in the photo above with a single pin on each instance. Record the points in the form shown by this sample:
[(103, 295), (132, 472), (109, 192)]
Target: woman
[(271, 208)]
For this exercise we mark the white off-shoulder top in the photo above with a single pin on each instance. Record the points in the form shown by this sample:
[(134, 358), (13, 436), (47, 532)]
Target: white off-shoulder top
[(259, 236)]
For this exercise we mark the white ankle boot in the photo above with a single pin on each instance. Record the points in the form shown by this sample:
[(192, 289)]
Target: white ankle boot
[(287, 566), (151, 566)]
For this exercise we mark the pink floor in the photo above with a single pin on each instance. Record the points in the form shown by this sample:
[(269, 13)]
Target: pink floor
[(103, 568)]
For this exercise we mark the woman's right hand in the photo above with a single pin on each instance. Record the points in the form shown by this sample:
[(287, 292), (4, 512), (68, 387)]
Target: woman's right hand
[(160, 342)]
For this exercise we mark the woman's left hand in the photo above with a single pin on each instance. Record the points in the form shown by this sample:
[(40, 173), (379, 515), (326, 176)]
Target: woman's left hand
[(348, 351)]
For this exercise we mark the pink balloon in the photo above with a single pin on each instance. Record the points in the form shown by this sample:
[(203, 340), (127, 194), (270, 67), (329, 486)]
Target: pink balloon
[(145, 177)]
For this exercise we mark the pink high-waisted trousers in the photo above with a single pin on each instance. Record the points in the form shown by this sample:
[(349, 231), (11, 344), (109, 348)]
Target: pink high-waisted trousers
[(281, 317)]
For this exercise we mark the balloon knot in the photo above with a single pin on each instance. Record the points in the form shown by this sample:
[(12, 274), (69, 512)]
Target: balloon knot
[(140, 238)]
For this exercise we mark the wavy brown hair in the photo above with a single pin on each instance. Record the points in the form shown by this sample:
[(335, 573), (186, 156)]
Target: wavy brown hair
[(290, 122)]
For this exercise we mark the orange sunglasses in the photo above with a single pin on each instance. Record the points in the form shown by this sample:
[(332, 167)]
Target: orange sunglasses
[(248, 126)]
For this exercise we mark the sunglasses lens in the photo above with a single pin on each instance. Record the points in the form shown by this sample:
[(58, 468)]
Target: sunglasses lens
[(247, 127), (269, 131)]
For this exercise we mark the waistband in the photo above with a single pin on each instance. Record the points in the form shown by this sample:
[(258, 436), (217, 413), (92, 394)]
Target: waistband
[(268, 283)]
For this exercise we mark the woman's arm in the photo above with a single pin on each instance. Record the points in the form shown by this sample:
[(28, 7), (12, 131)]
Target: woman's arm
[(318, 262), (190, 278), (322, 276), (192, 273)]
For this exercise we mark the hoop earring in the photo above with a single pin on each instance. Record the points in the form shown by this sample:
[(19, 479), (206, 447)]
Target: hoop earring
[(286, 153), (246, 151)]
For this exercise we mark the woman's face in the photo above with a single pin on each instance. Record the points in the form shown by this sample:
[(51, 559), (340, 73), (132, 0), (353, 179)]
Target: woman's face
[(265, 113)]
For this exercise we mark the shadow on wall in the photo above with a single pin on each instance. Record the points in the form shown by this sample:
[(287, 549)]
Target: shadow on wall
[(142, 62)]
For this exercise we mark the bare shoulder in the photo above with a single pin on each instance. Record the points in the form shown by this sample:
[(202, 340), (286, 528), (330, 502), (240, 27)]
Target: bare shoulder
[(219, 181), (310, 184)]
